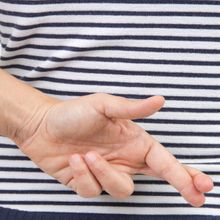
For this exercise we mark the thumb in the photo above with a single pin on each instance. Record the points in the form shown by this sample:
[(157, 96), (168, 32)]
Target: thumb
[(123, 108)]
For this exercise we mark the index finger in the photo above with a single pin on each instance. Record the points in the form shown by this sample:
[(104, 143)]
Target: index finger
[(166, 166)]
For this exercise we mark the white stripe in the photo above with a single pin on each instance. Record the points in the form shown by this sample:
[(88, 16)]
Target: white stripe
[(178, 128), (125, 90), (111, 7), (135, 43), (116, 19), (117, 210), (186, 139), (116, 31), (119, 54)]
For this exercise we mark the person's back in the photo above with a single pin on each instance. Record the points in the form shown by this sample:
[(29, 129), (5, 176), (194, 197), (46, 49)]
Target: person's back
[(133, 49)]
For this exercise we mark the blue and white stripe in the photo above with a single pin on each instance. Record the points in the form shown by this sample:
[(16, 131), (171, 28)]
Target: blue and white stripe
[(135, 49)]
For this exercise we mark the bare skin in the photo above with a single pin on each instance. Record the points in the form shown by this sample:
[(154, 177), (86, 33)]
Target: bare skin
[(90, 144)]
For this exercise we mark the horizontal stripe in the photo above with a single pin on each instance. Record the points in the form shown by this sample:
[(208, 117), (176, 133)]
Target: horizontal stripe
[(14, 158), (124, 84), (114, 48), (111, 25), (68, 192), (126, 60), (116, 59), (182, 145), (20, 169), (114, 71), (112, 204), (168, 121), (197, 156), (196, 2), (133, 96), (196, 110), (17, 180), (11, 214), (183, 133), (3, 145), (50, 182), (111, 37), (115, 13)]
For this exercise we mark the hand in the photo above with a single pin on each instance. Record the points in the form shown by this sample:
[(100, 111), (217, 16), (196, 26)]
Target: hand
[(90, 144)]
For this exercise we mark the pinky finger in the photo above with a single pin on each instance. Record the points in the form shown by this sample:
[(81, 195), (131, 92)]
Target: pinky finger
[(83, 182)]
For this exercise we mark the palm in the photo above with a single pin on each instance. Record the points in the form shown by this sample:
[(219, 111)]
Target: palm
[(76, 126)]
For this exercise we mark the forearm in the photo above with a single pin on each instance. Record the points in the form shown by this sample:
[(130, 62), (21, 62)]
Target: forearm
[(19, 104)]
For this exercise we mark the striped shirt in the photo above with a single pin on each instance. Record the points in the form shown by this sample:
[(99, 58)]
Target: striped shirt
[(134, 49)]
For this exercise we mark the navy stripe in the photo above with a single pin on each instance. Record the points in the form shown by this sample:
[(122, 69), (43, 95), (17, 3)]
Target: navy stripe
[(216, 156), (13, 157), (53, 181), (111, 25), (12, 146), (113, 13), (177, 121), (21, 169), (191, 110), (184, 133), (191, 145), (122, 84), (17, 180), (11, 214), (132, 96), (112, 37), (68, 192), (157, 182), (111, 204), (114, 48), (38, 2), (112, 71), (115, 60)]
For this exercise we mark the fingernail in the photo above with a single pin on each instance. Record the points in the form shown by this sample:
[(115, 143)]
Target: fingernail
[(90, 157)]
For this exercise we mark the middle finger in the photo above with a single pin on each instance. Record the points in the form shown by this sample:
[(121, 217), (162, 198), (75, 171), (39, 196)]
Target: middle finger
[(117, 184)]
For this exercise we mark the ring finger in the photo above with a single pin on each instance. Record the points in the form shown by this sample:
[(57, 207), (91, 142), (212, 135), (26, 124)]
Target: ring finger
[(83, 183)]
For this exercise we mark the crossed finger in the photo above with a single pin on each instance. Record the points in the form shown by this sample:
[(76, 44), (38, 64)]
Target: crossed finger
[(166, 166)]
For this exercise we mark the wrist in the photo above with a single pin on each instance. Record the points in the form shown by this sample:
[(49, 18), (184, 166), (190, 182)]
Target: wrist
[(32, 116), (21, 107)]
